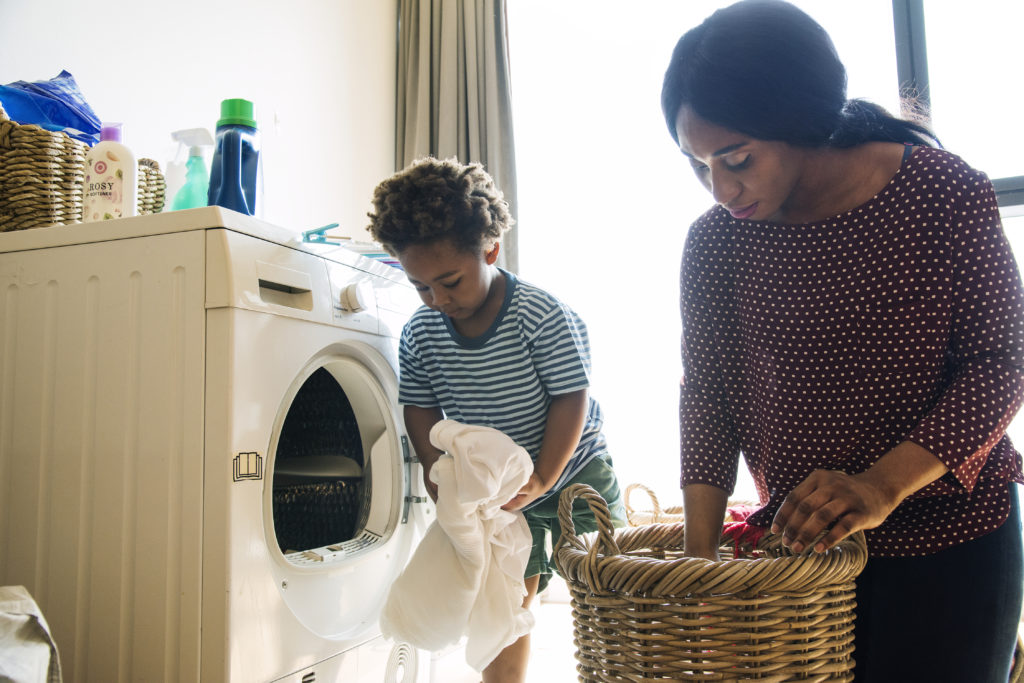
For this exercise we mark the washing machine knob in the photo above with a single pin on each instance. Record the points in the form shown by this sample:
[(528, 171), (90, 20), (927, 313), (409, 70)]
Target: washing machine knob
[(353, 298)]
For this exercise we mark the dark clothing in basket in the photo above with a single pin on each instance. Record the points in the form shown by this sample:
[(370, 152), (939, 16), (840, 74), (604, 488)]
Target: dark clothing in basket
[(824, 345)]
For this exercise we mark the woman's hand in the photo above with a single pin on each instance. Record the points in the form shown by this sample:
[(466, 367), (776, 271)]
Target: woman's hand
[(845, 503), (827, 499)]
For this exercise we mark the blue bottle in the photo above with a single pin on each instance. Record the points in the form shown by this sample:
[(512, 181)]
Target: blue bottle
[(235, 178)]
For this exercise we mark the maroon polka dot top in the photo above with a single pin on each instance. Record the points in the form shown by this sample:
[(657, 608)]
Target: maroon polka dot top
[(823, 345)]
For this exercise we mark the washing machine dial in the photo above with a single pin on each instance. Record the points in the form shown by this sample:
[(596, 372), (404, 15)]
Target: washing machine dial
[(354, 298)]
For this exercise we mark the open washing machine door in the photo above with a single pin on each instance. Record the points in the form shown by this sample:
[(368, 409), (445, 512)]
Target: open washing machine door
[(337, 513)]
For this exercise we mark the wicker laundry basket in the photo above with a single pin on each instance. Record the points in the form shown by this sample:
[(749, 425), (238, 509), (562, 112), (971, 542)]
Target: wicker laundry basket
[(656, 515), (152, 188), (642, 611), (737, 510), (41, 176)]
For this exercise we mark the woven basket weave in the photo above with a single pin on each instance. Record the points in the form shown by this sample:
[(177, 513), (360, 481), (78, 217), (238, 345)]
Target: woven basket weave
[(643, 611), (41, 176), (152, 188)]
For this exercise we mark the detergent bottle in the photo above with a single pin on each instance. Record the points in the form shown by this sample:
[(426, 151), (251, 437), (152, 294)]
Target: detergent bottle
[(236, 180), (194, 192)]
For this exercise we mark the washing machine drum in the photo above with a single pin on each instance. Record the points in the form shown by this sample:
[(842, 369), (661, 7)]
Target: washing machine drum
[(339, 498), (318, 493)]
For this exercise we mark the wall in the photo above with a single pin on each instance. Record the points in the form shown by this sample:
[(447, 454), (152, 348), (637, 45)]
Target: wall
[(321, 72)]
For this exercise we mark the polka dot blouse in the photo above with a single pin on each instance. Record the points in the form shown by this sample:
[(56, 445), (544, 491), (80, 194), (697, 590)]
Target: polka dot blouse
[(823, 345)]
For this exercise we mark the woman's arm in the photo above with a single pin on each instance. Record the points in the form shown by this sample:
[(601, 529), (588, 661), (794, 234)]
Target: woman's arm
[(566, 416), (703, 514), (957, 435), (708, 438), (418, 422)]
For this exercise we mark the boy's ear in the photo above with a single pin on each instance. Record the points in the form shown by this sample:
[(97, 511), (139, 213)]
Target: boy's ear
[(492, 256)]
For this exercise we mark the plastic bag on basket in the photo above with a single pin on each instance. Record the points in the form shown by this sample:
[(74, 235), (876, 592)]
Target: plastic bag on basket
[(56, 104)]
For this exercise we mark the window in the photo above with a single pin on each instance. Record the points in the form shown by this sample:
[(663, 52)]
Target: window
[(965, 58)]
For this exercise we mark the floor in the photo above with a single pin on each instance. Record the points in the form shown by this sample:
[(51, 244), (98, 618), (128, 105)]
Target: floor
[(552, 657)]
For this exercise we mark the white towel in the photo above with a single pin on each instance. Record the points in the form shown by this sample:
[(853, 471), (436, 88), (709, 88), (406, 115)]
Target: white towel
[(466, 576), (27, 650)]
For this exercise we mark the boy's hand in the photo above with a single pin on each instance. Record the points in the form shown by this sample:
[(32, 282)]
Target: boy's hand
[(531, 491)]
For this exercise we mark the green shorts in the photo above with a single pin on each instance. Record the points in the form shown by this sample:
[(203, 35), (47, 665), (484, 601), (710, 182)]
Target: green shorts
[(543, 518)]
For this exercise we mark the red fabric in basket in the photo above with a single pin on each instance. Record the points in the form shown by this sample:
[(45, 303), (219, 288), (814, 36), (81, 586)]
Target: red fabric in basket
[(738, 530)]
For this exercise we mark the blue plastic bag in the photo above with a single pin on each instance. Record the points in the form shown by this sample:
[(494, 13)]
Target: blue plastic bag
[(56, 104)]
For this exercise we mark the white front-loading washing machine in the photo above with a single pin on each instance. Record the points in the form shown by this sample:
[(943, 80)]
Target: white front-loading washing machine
[(203, 468)]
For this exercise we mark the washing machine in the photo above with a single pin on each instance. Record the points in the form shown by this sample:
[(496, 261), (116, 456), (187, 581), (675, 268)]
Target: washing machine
[(203, 469)]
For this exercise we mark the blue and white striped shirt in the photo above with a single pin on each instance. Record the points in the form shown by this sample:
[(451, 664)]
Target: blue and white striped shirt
[(536, 348)]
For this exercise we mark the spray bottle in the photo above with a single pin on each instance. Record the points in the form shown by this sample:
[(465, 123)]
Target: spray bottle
[(197, 180)]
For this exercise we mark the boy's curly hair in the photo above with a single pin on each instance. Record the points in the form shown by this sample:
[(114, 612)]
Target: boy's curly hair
[(434, 199)]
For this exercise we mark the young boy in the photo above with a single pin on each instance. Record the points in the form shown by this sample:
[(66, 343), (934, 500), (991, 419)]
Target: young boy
[(488, 349)]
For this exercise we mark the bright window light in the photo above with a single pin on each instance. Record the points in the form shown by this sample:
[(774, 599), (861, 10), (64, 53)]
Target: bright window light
[(974, 72)]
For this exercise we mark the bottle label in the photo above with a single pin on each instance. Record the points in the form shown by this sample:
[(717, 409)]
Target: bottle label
[(104, 188)]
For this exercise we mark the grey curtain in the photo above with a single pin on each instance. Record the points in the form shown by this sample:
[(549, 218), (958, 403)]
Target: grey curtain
[(454, 98)]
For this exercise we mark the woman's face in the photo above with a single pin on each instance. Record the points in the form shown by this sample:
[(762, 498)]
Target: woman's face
[(753, 179)]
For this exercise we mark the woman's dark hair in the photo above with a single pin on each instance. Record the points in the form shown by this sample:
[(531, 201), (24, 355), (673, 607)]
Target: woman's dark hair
[(432, 200), (766, 69)]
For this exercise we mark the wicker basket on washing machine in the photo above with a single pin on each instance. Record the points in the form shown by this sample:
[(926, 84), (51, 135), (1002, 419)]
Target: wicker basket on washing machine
[(643, 611), (41, 176)]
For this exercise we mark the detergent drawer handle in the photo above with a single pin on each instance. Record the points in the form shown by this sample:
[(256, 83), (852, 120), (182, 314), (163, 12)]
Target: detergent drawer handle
[(285, 286)]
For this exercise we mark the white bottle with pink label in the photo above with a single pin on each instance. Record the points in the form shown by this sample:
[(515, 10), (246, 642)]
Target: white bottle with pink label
[(111, 178)]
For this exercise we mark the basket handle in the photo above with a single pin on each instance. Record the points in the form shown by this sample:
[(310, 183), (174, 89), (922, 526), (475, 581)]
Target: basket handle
[(598, 508), (650, 494)]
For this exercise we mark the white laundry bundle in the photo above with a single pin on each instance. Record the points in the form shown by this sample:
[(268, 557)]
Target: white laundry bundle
[(27, 650), (466, 576)]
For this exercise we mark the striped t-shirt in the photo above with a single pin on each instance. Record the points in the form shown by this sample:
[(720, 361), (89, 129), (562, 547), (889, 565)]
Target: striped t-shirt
[(536, 348)]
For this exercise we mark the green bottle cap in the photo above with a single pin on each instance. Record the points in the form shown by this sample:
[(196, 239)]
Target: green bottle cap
[(237, 111)]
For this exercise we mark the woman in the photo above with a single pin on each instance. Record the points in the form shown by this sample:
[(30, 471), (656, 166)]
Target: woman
[(853, 324)]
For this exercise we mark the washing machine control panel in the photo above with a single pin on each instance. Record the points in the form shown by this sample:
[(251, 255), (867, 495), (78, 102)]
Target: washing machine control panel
[(354, 297)]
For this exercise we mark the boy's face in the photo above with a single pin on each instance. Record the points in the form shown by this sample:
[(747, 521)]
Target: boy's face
[(449, 280)]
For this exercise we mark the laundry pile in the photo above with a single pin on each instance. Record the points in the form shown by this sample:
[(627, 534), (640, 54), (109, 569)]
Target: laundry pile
[(466, 576)]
